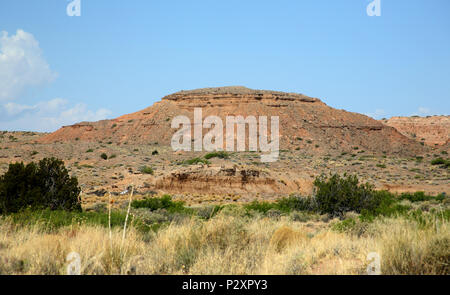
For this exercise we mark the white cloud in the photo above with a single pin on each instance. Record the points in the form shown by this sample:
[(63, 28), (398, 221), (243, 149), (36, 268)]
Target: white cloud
[(378, 114), (21, 65), (424, 111), (47, 115)]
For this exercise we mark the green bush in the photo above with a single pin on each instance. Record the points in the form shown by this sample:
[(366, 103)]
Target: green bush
[(219, 154), (387, 206), (262, 207), (296, 203), (438, 161), (338, 195), (43, 185), (164, 202), (420, 197), (196, 161), (344, 225), (207, 212), (146, 170), (284, 205), (104, 156), (441, 161)]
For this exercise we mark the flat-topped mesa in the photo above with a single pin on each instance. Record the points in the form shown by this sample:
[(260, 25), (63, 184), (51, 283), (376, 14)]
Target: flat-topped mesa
[(237, 92), (306, 123)]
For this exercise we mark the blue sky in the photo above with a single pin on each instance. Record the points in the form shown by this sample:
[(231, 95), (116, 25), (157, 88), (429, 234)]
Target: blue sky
[(122, 56)]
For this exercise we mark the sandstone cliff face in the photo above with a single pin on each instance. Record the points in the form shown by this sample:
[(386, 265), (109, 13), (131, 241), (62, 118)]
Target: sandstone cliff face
[(305, 122), (227, 180), (433, 130)]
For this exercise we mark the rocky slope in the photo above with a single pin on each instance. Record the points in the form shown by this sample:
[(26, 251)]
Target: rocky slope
[(432, 130), (305, 122)]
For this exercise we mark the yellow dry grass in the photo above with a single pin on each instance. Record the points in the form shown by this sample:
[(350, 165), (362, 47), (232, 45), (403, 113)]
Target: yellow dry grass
[(227, 244)]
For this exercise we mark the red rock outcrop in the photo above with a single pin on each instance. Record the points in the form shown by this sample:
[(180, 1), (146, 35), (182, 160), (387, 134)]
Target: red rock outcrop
[(432, 130)]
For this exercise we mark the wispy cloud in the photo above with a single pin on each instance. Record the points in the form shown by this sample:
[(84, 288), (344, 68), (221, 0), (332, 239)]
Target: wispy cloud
[(377, 114), (424, 111), (47, 115)]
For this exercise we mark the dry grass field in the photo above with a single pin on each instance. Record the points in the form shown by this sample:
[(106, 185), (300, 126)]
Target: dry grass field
[(231, 242)]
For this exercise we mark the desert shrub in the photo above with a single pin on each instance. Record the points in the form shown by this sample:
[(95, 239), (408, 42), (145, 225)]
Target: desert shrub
[(437, 161), (207, 212), (164, 202), (219, 154), (146, 170), (151, 217), (262, 207), (344, 225), (104, 156), (274, 213), (43, 185), (89, 151), (284, 205), (441, 161), (301, 216), (155, 152), (337, 195), (295, 203), (404, 255), (387, 209), (196, 161), (418, 197), (352, 226)]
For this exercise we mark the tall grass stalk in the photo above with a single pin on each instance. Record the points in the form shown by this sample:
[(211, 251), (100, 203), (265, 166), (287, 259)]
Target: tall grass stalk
[(126, 217), (109, 221)]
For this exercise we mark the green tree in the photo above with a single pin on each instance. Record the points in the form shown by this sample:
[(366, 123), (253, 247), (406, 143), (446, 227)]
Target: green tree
[(45, 185), (338, 195)]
